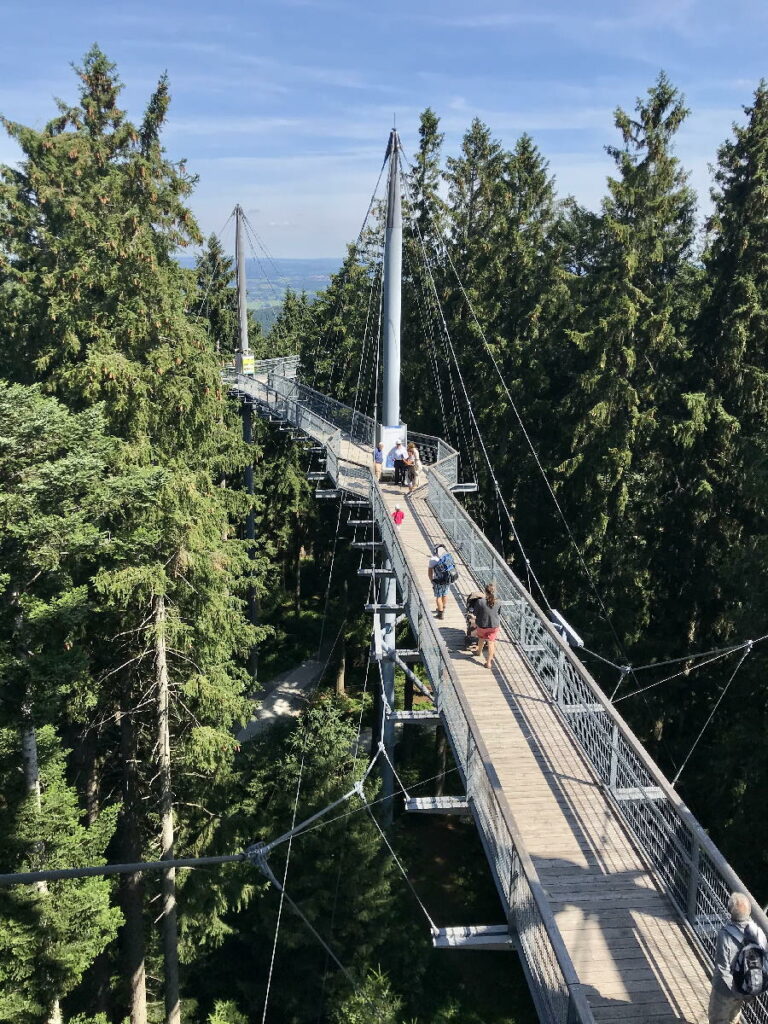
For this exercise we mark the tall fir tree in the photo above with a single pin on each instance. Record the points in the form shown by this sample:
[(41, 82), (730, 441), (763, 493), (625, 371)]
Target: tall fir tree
[(721, 535), (97, 309), (62, 484), (216, 295), (628, 349)]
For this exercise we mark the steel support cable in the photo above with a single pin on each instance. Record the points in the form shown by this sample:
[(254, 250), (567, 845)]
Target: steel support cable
[(428, 302), (600, 657), (531, 447), (533, 451), (372, 803), (378, 277), (343, 850), (431, 348), (95, 871), (385, 708), (433, 306), (711, 715), (373, 376), (269, 874), (283, 894), (252, 230), (342, 303), (482, 441), (278, 298), (723, 653), (204, 299), (409, 883)]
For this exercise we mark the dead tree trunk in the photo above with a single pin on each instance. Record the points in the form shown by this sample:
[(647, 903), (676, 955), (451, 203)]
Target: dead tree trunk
[(31, 768), (132, 887), (168, 883)]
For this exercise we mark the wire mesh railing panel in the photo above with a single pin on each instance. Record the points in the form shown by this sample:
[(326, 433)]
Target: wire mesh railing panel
[(673, 843), (687, 865)]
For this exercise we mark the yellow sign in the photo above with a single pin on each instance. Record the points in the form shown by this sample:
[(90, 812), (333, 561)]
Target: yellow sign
[(247, 363)]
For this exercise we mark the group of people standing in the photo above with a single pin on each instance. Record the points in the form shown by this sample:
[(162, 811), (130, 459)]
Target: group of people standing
[(407, 464)]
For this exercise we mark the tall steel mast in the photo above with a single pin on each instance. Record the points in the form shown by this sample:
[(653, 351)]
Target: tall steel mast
[(391, 430)]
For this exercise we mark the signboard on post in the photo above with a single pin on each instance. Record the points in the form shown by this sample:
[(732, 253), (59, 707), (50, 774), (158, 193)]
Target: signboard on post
[(245, 363), (390, 436)]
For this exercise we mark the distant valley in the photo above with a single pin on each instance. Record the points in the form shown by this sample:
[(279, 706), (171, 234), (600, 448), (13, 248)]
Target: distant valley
[(268, 280)]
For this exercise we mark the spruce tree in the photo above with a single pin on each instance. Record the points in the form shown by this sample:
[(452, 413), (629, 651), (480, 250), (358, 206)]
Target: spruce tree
[(627, 351), (62, 486), (721, 533), (216, 296), (97, 309)]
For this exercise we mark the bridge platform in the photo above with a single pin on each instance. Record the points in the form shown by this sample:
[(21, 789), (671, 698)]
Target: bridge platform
[(630, 950), (612, 890)]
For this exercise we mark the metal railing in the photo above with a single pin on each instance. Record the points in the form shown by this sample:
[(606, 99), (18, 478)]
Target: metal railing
[(555, 986), (687, 864), (556, 989), (272, 403), (360, 428), (436, 453)]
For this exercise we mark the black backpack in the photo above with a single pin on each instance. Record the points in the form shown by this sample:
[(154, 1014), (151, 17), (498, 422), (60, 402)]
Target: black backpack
[(750, 966), (445, 570)]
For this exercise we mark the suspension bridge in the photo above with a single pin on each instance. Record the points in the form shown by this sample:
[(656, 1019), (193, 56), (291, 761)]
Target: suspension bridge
[(610, 890)]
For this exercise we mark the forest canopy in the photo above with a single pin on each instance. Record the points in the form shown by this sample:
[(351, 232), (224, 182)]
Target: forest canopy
[(630, 343)]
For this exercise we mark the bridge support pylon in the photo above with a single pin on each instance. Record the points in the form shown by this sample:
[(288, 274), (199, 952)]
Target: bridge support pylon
[(388, 598)]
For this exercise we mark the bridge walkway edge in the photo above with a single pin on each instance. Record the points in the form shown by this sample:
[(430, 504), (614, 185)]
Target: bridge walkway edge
[(627, 944)]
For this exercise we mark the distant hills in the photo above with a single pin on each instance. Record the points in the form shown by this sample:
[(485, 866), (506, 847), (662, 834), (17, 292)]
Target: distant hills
[(268, 280)]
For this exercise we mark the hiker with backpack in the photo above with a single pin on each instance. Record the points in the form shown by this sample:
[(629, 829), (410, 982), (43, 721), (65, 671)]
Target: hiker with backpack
[(442, 573), (741, 963)]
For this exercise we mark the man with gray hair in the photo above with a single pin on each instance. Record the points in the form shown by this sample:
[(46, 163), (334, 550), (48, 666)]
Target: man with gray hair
[(727, 996)]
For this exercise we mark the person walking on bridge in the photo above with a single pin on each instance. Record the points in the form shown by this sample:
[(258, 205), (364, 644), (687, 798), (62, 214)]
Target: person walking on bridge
[(413, 467), (400, 455), (488, 621), (441, 570), (378, 460), (741, 963)]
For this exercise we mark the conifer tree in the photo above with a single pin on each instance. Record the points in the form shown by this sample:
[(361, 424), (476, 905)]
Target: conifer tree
[(215, 273), (61, 489), (97, 308), (629, 346), (424, 369)]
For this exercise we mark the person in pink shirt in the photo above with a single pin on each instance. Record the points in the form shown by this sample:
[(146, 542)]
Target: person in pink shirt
[(398, 516)]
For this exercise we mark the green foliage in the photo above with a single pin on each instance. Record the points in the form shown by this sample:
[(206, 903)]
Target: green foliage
[(373, 1002), (226, 1013), (48, 936)]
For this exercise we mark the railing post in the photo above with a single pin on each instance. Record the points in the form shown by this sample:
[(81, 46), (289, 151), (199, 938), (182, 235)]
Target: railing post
[(614, 757), (557, 688), (693, 881)]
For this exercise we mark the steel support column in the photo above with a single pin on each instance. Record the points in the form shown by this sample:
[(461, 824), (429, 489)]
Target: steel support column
[(388, 597)]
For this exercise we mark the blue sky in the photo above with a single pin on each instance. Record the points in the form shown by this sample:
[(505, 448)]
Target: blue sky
[(285, 105)]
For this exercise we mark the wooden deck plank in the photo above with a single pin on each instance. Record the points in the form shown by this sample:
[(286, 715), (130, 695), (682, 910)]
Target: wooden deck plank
[(623, 936)]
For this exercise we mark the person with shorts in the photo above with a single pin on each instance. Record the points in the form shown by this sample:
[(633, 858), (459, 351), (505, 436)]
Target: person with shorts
[(439, 587), (488, 619)]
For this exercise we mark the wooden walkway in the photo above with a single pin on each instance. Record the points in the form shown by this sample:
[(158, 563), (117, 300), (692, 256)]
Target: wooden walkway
[(624, 938)]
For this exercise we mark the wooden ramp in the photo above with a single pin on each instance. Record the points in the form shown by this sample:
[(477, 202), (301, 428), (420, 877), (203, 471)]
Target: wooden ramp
[(626, 942)]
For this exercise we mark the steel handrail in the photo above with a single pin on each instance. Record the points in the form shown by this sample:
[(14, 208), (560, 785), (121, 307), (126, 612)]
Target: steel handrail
[(420, 619), (705, 904)]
